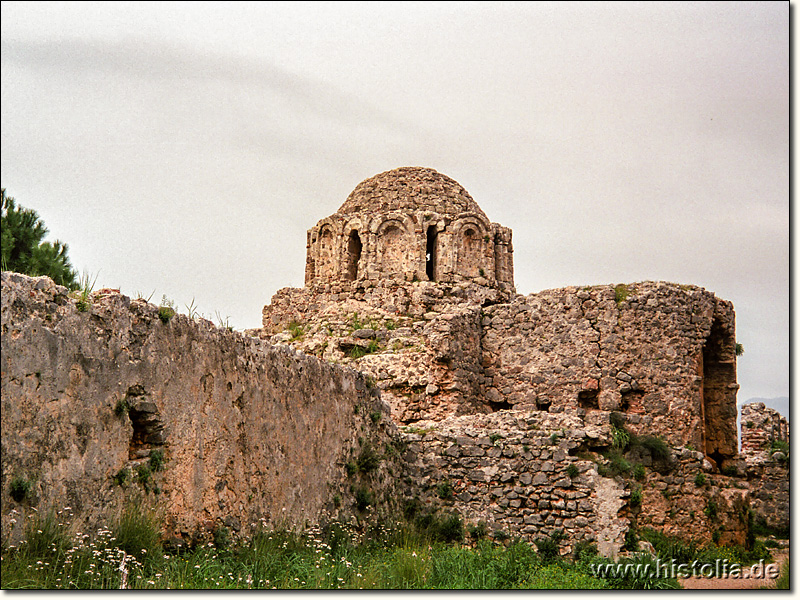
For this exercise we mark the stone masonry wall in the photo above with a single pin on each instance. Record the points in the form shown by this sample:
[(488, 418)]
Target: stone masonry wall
[(641, 349), (765, 436), (249, 432)]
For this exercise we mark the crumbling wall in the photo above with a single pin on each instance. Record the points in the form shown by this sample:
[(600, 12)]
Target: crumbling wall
[(525, 474), (765, 443), (636, 348), (248, 432)]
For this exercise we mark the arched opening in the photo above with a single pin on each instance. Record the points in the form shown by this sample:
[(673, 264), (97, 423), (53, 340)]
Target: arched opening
[(719, 394), (430, 253), (353, 255), (325, 266)]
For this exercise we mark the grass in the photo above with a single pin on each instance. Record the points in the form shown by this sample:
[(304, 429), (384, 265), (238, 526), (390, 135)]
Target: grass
[(423, 553), (84, 292)]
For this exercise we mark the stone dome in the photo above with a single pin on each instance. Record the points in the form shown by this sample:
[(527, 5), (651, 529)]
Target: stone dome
[(410, 189)]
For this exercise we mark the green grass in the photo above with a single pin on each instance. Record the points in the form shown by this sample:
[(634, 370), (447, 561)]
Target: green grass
[(425, 553), (336, 556)]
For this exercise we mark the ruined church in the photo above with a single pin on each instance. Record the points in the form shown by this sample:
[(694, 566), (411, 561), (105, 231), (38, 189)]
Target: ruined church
[(580, 413)]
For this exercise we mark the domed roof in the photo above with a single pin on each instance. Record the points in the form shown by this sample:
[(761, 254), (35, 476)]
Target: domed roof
[(410, 189)]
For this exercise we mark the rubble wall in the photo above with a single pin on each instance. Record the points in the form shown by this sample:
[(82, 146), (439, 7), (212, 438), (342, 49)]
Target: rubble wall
[(765, 439), (659, 350), (247, 431)]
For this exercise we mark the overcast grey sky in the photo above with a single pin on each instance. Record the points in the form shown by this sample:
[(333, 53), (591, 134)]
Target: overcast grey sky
[(186, 148)]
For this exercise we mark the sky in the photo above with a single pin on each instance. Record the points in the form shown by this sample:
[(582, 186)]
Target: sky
[(184, 149)]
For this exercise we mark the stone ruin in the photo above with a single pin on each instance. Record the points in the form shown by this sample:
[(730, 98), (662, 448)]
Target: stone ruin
[(408, 342), (499, 393)]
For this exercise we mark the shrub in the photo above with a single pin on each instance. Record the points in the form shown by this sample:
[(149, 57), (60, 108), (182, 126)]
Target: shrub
[(572, 471), (445, 490), (143, 474), (711, 509), (639, 472), (364, 498), (478, 531), (357, 352), (449, 529), (620, 438), (621, 293), (138, 532), (375, 416), (122, 407), (351, 468), (739, 349), (120, 477), (547, 549), (730, 470), (636, 497), (156, 462), (700, 479), (657, 447), (297, 330), (221, 537), (368, 460), (166, 310), (19, 488), (631, 539), (493, 437), (618, 464)]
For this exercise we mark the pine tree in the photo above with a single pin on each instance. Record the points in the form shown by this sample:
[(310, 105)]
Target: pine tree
[(24, 249)]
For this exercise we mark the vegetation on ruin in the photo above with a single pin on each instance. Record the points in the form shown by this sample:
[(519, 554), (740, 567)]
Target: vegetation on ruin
[(166, 310)]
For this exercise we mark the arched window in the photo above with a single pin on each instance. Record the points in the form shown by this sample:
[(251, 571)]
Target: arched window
[(430, 253), (353, 255)]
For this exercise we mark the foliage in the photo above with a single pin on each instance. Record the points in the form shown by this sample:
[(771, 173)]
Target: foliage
[(636, 497), (782, 583), (700, 479), (19, 488), (547, 548), (620, 438), (781, 446), (572, 471), (739, 349), (445, 490), (478, 531), (23, 249), (621, 293), (368, 459), (639, 472), (121, 476), (166, 310), (711, 509), (375, 416), (156, 461), (658, 448), (364, 498), (122, 407), (83, 293), (297, 330)]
